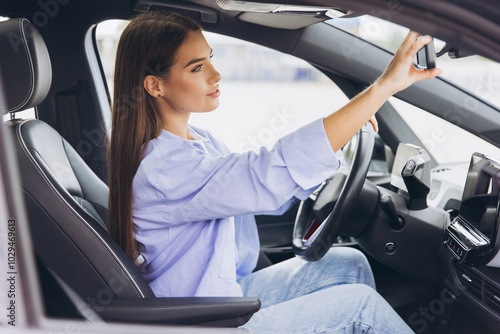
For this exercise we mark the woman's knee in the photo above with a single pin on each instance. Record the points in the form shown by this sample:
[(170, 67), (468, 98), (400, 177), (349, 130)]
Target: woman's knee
[(338, 309), (348, 255), (353, 258)]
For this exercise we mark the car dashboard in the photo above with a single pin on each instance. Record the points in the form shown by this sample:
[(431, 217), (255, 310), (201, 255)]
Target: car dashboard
[(468, 258)]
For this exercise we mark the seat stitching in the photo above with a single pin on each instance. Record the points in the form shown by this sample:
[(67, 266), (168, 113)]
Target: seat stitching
[(30, 60), (70, 209)]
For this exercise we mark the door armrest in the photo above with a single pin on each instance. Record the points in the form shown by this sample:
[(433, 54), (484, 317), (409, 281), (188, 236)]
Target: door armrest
[(205, 311)]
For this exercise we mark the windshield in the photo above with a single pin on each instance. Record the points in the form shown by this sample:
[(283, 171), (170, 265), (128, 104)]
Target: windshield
[(447, 143), (476, 74)]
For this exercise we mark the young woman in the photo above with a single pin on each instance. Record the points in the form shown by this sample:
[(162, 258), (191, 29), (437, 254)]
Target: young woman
[(183, 204)]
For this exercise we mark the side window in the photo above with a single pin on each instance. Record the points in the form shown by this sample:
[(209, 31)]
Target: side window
[(265, 94), (107, 35)]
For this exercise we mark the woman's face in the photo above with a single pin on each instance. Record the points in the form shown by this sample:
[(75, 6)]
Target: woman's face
[(192, 83)]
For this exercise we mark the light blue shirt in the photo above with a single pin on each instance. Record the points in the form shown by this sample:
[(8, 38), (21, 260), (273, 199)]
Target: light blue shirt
[(193, 205)]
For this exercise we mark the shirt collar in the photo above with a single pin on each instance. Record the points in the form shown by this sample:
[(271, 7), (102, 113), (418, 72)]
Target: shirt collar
[(194, 134)]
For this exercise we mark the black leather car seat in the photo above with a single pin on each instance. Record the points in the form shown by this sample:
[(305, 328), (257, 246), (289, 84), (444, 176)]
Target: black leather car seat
[(67, 206)]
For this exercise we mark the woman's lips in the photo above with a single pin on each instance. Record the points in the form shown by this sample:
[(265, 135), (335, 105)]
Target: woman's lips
[(215, 93)]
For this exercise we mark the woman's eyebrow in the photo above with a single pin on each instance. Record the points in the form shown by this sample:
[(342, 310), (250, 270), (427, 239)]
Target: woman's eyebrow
[(197, 60), (194, 61)]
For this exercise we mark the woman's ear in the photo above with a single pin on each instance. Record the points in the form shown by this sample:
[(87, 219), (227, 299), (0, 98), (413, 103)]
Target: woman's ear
[(152, 86)]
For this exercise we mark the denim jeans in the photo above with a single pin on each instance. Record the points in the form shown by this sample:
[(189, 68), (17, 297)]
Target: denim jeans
[(334, 295)]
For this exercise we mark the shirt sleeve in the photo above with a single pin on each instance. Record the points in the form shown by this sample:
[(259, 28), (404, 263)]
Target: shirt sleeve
[(190, 185)]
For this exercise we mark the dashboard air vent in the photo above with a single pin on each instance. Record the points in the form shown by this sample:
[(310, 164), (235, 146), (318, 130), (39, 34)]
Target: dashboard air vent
[(470, 281), (492, 296)]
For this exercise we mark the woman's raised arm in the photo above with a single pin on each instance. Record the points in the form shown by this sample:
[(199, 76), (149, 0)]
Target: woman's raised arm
[(400, 74)]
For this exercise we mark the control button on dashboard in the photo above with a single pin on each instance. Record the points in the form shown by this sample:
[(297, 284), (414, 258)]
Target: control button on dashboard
[(390, 248)]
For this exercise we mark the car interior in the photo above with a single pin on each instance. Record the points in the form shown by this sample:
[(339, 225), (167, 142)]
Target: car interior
[(429, 228)]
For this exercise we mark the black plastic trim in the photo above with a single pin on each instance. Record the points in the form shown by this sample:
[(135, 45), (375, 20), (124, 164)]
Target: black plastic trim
[(206, 311)]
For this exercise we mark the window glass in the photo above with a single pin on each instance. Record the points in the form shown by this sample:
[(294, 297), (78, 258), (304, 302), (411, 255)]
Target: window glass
[(265, 94), (446, 142), (479, 75), (107, 36)]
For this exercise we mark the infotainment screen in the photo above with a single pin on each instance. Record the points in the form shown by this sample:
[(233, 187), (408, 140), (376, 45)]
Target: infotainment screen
[(481, 194), (471, 237)]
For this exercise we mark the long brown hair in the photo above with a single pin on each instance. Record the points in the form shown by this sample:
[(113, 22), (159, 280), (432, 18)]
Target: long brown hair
[(147, 46)]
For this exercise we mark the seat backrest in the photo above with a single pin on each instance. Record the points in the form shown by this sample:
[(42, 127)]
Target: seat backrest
[(66, 202)]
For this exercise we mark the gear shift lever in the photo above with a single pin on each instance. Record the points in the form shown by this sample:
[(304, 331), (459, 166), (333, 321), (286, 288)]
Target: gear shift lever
[(416, 175)]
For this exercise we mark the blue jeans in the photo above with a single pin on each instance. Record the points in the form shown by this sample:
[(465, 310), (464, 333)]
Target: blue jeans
[(334, 295)]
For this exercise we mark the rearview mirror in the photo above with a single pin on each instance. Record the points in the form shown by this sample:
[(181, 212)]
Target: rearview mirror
[(426, 56)]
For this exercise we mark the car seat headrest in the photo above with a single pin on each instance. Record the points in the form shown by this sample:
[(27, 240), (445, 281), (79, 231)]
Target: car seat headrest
[(25, 68)]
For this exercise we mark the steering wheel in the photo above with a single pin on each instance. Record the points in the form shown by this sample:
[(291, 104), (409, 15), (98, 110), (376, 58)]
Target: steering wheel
[(325, 214)]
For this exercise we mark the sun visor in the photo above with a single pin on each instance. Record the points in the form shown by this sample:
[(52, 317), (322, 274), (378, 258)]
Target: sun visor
[(279, 16)]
